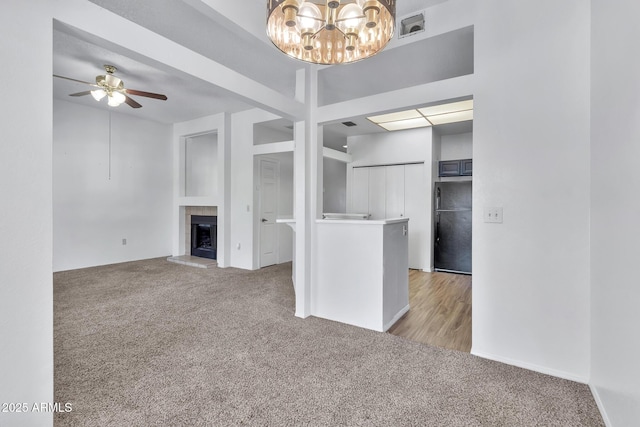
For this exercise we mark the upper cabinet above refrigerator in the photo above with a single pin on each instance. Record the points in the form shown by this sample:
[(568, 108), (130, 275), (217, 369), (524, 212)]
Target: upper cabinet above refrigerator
[(455, 167)]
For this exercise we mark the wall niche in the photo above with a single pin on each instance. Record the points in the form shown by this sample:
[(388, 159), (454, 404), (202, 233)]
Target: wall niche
[(199, 169)]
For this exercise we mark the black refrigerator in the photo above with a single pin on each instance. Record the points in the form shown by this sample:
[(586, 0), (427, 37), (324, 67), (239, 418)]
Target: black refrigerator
[(452, 242)]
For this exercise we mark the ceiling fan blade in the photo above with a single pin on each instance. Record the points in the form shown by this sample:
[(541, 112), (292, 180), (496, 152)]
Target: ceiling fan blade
[(86, 92), (147, 94), (131, 103), (75, 80)]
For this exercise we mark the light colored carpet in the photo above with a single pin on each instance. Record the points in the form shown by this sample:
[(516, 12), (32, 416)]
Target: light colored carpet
[(155, 343)]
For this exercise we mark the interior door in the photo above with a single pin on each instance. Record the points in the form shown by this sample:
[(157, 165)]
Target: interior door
[(377, 208), (269, 170), (394, 191)]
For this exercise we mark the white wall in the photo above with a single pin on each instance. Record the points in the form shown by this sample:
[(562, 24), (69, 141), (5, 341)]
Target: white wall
[(201, 165), (244, 221), (615, 209), (386, 148), (334, 177), (285, 207), (26, 302), (104, 191), (263, 134), (242, 204), (456, 146), (531, 157), (436, 155)]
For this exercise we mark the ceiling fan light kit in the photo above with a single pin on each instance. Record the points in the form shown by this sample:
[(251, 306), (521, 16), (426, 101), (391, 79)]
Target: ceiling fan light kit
[(115, 99), (98, 94), (113, 88), (330, 31)]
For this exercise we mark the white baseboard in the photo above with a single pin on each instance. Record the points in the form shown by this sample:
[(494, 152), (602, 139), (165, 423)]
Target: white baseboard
[(532, 367), (395, 318), (598, 400)]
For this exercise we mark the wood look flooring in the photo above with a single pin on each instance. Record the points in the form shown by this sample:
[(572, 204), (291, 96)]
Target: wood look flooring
[(440, 310)]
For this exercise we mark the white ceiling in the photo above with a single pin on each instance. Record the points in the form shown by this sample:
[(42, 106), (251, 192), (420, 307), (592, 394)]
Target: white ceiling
[(242, 47), (188, 97)]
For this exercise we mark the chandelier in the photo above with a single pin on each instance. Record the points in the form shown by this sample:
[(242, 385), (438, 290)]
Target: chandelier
[(330, 31)]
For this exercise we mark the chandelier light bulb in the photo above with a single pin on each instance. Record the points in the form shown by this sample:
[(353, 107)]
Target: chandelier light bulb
[(309, 22), (349, 22), (309, 18), (350, 16)]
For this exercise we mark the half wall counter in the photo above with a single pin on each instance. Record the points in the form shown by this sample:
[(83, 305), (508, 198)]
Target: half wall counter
[(362, 272)]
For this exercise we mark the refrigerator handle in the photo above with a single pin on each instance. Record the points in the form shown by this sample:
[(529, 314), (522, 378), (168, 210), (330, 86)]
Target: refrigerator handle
[(437, 236), (437, 198)]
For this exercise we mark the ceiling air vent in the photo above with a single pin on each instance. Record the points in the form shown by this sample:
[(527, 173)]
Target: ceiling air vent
[(411, 25), (349, 124)]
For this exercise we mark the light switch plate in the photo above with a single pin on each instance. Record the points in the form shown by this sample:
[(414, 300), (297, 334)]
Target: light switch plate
[(493, 215)]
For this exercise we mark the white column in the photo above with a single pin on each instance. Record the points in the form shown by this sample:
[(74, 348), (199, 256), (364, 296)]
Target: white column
[(26, 290), (307, 188), (178, 184), (224, 192), (302, 252)]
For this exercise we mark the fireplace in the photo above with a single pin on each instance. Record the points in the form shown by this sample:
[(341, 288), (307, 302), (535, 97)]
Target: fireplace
[(204, 236)]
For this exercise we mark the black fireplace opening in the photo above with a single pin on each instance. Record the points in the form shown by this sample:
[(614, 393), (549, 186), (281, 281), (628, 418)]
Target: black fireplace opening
[(204, 236)]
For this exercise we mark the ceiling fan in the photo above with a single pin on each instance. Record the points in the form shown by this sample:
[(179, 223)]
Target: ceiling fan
[(113, 88)]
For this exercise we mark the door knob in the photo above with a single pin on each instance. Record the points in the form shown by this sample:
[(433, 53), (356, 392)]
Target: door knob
[(264, 220)]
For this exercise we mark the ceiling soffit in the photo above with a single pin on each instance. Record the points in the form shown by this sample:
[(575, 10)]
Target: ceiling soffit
[(427, 60), (213, 36)]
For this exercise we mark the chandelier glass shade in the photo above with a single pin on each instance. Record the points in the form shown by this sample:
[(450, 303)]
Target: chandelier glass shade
[(330, 31)]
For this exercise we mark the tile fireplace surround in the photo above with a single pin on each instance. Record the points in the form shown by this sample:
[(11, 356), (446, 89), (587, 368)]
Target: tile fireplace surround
[(187, 259), (195, 210)]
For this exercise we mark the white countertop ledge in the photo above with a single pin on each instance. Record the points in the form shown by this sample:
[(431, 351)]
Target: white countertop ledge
[(362, 221), (347, 221), (285, 220)]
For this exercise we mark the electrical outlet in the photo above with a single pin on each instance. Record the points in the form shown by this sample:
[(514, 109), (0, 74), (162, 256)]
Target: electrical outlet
[(124, 242), (493, 215)]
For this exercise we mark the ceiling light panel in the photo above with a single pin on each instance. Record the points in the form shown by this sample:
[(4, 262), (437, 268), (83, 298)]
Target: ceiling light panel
[(447, 108), (392, 117), (459, 116), (405, 124)]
